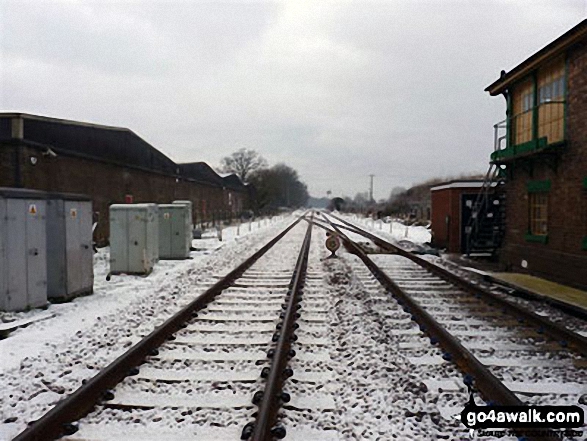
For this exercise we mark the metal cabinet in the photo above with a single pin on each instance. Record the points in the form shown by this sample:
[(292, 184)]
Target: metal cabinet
[(175, 231), (23, 256), (70, 265), (134, 238), (191, 222)]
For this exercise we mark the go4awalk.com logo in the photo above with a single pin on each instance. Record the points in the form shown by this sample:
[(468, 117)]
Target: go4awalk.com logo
[(539, 420), (497, 417)]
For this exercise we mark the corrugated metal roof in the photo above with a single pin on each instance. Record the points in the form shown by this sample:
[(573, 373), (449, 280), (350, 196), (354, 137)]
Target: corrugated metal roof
[(233, 181), (200, 171)]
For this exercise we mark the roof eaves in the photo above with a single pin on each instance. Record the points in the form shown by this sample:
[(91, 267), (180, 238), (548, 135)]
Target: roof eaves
[(60, 121), (548, 52)]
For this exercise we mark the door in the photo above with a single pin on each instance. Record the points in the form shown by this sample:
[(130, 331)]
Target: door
[(86, 239), (178, 230), (138, 260), (80, 258), (118, 240), (36, 249), (16, 258), (165, 232)]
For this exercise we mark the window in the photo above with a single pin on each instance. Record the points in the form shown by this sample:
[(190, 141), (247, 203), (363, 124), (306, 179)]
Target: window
[(527, 101), (538, 214), (554, 90)]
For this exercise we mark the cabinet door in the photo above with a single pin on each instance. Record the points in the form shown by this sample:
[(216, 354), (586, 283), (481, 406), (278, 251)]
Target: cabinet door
[(87, 259), (178, 233), (36, 248), (165, 233), (16, 261), (119, 241), (56, 250), (73, 249), (138, 260), (80, 259)]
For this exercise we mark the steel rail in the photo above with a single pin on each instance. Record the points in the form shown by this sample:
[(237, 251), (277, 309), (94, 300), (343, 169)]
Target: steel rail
[(476, 373), (565, 337), (265, 425), (58, 421)]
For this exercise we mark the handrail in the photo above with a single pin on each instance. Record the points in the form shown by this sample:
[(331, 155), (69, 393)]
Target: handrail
[(503, 125)]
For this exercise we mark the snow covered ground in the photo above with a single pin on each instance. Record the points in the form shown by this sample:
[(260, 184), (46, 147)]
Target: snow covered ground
[(367, 346), (49, 358)]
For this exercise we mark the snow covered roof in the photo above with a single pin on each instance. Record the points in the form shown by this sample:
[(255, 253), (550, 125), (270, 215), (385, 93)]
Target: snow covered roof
[(460, 184)]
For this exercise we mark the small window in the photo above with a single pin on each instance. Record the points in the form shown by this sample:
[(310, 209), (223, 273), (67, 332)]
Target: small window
[(552, 91), (527, 102), (538, 214)]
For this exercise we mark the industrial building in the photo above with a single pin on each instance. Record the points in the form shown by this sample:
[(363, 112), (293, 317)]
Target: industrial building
[(111, 165), (541, 156)]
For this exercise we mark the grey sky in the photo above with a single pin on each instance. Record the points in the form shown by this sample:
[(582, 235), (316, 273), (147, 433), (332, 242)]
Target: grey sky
[(338, 90)]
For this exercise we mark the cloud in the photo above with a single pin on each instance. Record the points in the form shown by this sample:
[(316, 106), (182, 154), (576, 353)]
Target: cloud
[(336, 89)]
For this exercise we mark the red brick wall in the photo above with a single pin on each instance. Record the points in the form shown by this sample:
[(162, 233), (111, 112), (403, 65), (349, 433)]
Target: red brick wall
[(7, 155), (562, 258), (108, 184)]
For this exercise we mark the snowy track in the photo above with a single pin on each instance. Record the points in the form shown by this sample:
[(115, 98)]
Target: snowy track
[(202, 382), (541, 371), (524, 358), (363, 368)]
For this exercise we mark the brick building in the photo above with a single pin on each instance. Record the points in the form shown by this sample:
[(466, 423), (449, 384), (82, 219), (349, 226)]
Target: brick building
[(452, 209), (541, 150), (111, 164)]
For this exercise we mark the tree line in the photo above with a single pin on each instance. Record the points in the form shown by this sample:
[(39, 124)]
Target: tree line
[(276, 187)]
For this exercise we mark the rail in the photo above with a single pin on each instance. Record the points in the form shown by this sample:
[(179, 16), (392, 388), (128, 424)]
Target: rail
[(60, 419), (265, 426), (475, 373), (564, 336)]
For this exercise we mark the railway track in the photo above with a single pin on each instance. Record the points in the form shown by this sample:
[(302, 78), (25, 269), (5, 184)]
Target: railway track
[(511, 355), (298, 346), (217, 369)]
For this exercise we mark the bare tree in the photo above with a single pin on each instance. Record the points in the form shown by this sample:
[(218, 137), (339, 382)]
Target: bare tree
[(242, 162)]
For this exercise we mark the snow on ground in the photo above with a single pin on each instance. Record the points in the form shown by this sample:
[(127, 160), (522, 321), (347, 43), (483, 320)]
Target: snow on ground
[(380, 394), (50, 358), (393, 231)]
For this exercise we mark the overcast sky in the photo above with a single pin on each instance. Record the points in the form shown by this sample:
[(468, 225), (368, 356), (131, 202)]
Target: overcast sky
[(338, 90)]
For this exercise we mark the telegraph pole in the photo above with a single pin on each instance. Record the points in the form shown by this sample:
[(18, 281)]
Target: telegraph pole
[(371, 189)]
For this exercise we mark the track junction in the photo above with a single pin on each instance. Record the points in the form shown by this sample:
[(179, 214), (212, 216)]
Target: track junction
[(291, 344)]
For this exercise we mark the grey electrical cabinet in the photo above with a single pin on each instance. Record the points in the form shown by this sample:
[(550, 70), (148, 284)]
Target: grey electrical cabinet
[(191, 207), (175, 231), (134, 238), (191, 211), (23, 254), (70, 257)]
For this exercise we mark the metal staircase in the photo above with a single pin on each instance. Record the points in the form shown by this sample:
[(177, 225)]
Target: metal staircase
[(486, 227)]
